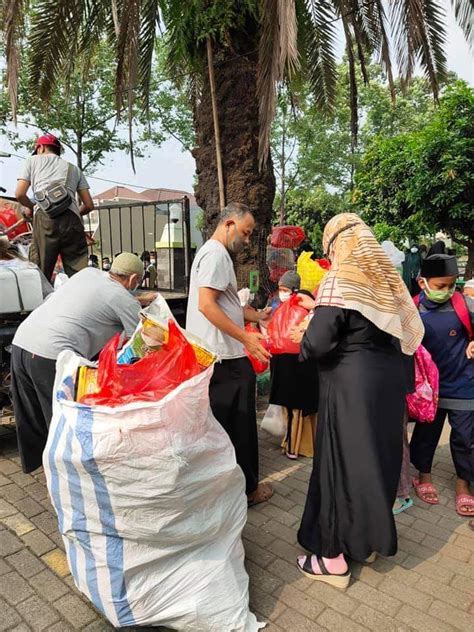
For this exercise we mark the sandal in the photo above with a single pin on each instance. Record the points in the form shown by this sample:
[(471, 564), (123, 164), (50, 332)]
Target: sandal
[(371, 559), (263, 493), (401, 504), (338, 581), (290, 455), (465, 500), (423, 489)]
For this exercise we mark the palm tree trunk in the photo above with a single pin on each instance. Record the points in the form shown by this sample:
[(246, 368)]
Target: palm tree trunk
[(237, 104)]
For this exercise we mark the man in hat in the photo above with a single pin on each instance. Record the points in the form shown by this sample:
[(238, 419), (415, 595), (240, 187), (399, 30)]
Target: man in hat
[(82, 315), (62, 235), (448, 319)]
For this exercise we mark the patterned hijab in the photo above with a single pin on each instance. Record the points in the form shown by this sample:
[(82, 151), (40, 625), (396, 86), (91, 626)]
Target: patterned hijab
[(362, 278)]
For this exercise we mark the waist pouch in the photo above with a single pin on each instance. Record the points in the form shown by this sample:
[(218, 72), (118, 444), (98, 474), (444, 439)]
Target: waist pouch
[(55, 199)]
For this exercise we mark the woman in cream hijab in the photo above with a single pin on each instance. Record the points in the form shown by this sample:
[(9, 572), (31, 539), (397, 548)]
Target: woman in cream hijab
[(364, 320)]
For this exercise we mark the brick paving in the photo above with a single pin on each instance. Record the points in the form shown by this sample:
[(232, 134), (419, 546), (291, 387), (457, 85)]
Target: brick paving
[(428, 586)]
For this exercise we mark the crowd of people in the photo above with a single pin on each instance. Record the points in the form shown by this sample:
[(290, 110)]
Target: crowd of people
[(356, 367), (343, 395)]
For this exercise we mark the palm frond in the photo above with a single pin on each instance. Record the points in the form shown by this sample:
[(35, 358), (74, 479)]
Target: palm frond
[(126, 77), (464, 12), (278, 52), (98, 22), (147, 38), (353, 92), (317, 35), (384, 45), (115, 17), (12, 23), (289, 55), (55, 31), (420, 35)]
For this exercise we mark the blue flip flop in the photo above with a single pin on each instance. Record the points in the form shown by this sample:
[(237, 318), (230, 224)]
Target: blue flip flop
[(405, 503)]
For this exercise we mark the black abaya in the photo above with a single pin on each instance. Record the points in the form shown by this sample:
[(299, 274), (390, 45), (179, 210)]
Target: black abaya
[(294, 383), (358, 449)]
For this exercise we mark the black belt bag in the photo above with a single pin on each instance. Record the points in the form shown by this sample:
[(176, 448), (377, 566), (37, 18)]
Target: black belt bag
[(55, 199)]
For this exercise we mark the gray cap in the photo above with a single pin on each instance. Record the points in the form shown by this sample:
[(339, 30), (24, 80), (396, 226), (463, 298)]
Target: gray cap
[(127, 263), (291, 280)]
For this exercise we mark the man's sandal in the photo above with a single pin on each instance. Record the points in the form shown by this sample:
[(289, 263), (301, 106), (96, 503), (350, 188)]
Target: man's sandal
[(465, 500), (263, 493), (423, 490), (306, 567)]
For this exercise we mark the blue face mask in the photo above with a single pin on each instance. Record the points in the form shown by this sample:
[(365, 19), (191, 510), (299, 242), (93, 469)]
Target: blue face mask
[(134, 292)]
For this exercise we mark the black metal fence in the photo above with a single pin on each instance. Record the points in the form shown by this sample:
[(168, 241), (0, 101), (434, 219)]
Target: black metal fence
[(153, 230)]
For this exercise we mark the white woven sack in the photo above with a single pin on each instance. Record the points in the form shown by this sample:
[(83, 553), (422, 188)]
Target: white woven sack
[(151, 506)]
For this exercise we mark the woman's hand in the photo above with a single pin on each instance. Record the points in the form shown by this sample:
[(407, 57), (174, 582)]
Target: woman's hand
[(470, 350), (296, 334), (306, 302)]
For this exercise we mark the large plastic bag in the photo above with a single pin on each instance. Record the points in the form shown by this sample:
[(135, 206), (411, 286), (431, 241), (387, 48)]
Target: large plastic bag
[(257, 365), (274, 421), (287, 236), (150, 378), (151, 505), (310, 271), (288, 315)]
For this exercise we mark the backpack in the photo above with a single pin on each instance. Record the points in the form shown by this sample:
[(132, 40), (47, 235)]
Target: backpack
[(461, 310), (423, 402)]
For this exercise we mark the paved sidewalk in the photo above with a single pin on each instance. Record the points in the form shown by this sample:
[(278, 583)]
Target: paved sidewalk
[(428, 586)]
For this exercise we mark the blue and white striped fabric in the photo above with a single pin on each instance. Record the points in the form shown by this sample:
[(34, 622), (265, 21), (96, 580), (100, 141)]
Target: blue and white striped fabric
[(151, 505)]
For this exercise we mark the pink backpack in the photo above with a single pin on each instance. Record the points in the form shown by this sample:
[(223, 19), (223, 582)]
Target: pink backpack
[(423, 403)]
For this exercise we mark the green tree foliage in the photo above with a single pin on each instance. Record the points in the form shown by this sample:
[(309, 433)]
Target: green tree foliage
[(423, 181), (82, 111), (312, 210), (313, 154)]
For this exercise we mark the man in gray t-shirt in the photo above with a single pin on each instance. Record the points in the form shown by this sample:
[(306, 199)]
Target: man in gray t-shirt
[(82, 315), (215, 315), (63, 235)]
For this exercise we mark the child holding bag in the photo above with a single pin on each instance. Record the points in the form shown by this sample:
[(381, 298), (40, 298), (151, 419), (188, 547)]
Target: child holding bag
[(294, 384)]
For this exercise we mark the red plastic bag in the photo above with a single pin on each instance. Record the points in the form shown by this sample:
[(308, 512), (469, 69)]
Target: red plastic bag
[(324, 263), (288, 315), (8, 218), (287, 236), (149, 379), (258, 366)]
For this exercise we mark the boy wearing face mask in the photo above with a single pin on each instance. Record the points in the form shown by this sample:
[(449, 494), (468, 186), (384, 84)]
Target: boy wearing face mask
[(448, 337)]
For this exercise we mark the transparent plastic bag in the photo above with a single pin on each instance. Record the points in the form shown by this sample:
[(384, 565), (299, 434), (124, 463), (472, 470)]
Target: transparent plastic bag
[(274, 421)]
